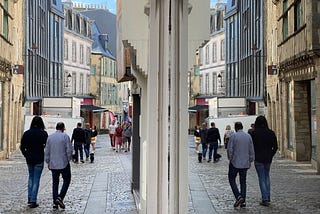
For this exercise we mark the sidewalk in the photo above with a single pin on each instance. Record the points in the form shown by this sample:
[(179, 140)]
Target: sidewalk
[(295, 187), (100, 187)]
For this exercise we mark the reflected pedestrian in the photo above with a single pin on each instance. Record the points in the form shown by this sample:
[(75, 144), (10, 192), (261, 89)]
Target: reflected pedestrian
[(240, 154), (79, 139), (203, 137), (265, 147), (213, 136), (94, 138), (197, 138), (118, 137), (127, 134), (58, 153), (227, 135), (32, 147), (112, 131)]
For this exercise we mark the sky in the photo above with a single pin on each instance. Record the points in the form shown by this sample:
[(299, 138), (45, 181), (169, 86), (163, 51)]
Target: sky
[(111, 4)]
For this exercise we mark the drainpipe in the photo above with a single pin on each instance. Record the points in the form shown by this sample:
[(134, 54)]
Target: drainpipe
[(8, 119)]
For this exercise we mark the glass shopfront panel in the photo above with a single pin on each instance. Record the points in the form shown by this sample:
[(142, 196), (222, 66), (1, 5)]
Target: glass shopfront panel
[(313, 120)]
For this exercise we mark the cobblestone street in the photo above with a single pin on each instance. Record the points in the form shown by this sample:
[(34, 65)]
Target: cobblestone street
[(295, 187), (104, 186), (100, 187)]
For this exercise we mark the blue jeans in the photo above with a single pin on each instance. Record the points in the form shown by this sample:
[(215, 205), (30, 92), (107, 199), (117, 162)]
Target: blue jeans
[(204, 150), (214, 147), (77, 149), (35, 171), (66, 176), (263, 171), (86, 148), (232, 174)]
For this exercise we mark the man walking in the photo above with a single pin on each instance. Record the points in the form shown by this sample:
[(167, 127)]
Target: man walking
[(79, 138), (203, 137), (58, 153), (240, 154), (213, 136)]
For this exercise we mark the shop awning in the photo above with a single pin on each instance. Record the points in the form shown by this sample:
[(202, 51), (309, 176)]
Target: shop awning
[(197, 108), (93, 108)]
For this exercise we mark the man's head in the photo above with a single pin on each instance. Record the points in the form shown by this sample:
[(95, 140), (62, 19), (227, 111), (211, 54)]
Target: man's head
[(213, 125), (79, 125), (204, 125), (238, 126), (87, 125), (60, 126)]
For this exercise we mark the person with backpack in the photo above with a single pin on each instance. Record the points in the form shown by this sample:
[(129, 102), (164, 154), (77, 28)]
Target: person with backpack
[(213, 136), (79, 138)]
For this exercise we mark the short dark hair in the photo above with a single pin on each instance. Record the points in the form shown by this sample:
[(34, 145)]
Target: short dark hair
[(79, 124), (213, 124), (238, 126), (60, 126)]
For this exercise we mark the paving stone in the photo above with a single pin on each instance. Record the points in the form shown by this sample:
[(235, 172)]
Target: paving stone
[(295, 186)]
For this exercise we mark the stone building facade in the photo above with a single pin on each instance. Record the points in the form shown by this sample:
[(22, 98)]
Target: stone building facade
[(293, 60), (11, 74)]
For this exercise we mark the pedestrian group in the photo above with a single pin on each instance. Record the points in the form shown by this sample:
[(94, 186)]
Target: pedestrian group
[(56, 150), (259, 145)]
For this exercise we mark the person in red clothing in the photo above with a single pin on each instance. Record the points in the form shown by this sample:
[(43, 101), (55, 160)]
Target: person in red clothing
[(118, 136)]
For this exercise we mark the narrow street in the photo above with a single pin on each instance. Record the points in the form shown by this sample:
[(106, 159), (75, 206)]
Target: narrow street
[(104, 186), (295, 187), (100, 187)]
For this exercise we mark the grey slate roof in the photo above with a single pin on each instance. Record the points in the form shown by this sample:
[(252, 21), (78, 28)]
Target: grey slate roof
[(106, 24), (98, 44)]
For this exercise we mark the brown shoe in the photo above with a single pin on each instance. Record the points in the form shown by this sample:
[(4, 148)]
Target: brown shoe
[(59, 202)]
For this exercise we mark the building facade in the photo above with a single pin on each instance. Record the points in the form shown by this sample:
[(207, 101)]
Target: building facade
[(146, 46), (11, 75), (293, 77), (77, 58), (208, 74), (245, 54), (103, 82), (43, 52), (212, 55)]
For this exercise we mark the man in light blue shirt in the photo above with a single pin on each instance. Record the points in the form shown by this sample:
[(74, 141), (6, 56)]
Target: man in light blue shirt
[(241, 155), (58, 153)]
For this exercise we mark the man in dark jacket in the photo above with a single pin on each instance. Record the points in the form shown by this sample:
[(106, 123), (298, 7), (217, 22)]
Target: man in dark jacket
[(213, 136), (265, 147), (79, 138), (203, 138)]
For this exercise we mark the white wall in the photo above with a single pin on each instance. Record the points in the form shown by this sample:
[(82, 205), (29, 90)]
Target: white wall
[(221, 123)]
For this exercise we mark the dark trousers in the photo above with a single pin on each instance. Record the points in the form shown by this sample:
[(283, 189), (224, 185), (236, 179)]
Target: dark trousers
[(86, 148), (204, 150), (232, 174), (77, 149), (214, 147), (66, 176)]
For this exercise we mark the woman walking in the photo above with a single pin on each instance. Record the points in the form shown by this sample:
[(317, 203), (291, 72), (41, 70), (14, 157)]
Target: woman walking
[(32, 147), (265, 147)]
